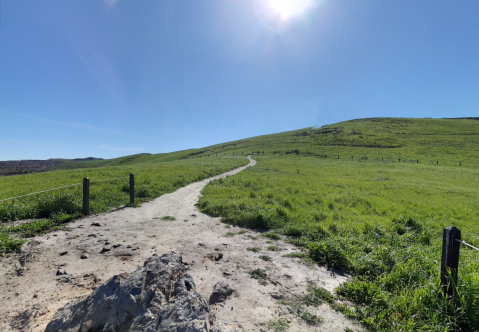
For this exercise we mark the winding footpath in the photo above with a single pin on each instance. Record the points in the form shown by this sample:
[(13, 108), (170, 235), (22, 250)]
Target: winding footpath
[(34, 285)]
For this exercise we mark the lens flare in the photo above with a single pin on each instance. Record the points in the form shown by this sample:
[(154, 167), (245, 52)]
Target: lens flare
[(288, 8)]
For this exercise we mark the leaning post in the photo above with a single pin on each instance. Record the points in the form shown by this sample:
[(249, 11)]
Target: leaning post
[(132, 188), (450, 259), (86, 196)]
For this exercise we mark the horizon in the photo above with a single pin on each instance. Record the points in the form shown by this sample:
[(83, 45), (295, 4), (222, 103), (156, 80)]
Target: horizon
[(111, 78)]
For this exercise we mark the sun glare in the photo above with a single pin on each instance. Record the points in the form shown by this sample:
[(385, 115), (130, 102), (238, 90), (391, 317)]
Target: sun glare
[(289, 8)]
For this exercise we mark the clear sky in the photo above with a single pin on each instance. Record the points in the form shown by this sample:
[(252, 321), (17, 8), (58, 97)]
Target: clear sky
[(108, 78)]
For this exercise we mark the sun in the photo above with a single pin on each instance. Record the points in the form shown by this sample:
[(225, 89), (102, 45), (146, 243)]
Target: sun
[(289, 8)]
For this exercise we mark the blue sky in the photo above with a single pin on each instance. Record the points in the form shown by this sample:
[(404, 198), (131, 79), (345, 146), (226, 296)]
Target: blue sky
[(109, 78)]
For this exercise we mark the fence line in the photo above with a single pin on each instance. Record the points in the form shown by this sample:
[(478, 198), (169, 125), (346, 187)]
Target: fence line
[(70, 185)]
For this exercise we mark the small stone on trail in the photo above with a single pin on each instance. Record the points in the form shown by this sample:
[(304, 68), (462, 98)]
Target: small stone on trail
[(97, 279), (63, 253), (220, 293), (201, 244), (91, 235), (214, 256), (277, 296), (105, 249), (61, 272), (84, 256), (128, 246), (95, 224), (116, 245)]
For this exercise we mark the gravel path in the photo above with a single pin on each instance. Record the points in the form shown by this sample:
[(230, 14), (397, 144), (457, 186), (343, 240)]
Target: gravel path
[(101, 246)]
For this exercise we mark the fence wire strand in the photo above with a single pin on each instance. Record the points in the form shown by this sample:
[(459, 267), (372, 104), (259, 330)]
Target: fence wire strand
[(44, 191), (126, 177), (467, 244), (71, 185)]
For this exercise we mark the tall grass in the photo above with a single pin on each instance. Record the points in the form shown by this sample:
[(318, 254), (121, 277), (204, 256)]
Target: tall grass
[(380, 221)]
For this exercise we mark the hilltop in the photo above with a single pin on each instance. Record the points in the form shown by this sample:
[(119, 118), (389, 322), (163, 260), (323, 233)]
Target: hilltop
[(448, 141)]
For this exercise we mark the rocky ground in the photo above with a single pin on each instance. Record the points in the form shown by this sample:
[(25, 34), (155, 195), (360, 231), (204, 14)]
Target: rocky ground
[(53, 269)]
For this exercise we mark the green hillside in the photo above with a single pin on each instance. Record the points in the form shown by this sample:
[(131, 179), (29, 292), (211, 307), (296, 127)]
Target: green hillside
[(448, 141)]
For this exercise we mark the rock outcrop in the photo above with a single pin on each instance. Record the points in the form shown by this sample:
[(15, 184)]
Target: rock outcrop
[(160, 296)]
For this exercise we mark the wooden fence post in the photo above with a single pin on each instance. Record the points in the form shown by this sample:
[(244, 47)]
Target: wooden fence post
[(437, 162), (450, 258), (258, 153), (418, 161), (132, 188), (86, 196), (460, 163), (263, 152), (399, 159), (382, 158)]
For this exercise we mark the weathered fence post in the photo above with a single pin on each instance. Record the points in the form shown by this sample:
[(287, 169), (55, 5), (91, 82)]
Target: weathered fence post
[(325, 156), (263, 152), (382, 158), (132, 188), (437, 162), (258, 153), (460, 163), (86, 196), (399, 159), (418, 161), (450, 259), (338, 157)]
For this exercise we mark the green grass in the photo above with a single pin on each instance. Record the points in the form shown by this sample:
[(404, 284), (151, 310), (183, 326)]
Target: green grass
[(380, 221), (273, 248), (254, 249), (60, 206), (265, 258), (278, 325), (168, 218), (259, 275)]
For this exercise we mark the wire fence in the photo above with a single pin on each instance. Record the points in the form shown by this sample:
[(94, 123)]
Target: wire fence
[(44, 191), (70, 185), (467, 244), (125, 177)]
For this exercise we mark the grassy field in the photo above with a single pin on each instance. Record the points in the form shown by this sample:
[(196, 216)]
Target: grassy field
[(55, 208), (380, 221)]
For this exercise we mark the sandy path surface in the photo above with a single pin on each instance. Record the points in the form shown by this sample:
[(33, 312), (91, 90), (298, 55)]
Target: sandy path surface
[(119, 241)]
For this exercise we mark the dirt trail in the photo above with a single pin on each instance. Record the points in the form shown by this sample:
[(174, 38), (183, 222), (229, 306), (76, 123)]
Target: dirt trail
[(119, 241)]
